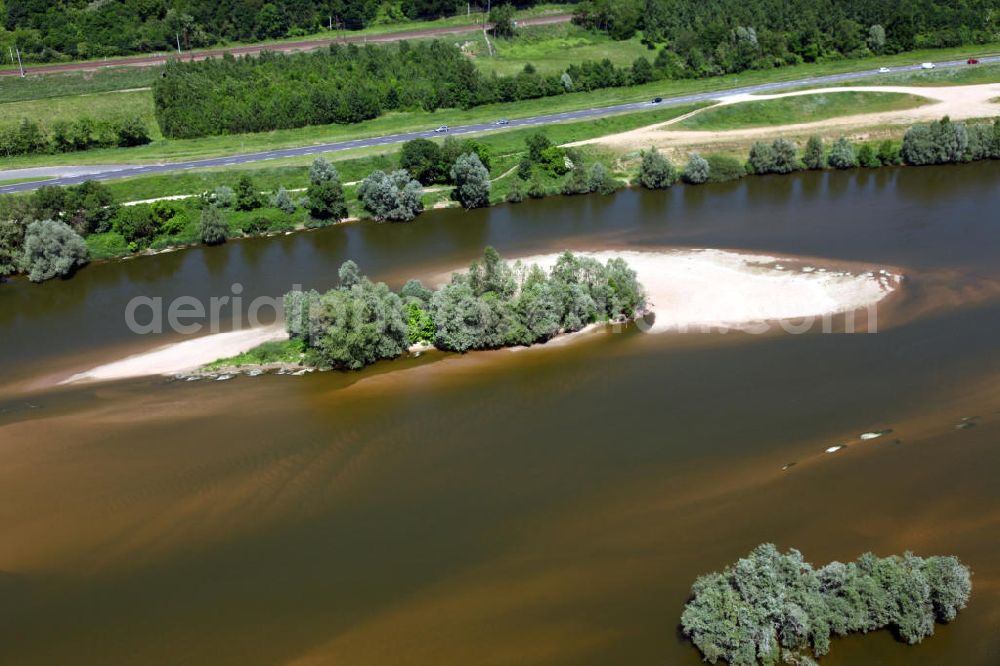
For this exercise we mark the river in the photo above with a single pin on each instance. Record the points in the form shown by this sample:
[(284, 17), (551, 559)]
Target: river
[(545, 506)]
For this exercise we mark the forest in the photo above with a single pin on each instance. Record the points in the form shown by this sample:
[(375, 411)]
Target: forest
[(348, 84), (726, 36), (54, 30)]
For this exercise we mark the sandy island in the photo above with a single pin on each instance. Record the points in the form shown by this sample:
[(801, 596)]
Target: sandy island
[(688, 290)]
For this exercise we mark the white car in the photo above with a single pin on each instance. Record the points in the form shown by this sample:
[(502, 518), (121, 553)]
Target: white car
[(927, 65), (442, 129), (883, 70)]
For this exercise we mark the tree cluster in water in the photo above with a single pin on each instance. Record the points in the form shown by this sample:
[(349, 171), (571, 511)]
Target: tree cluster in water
[(493, 304), (773, 607)]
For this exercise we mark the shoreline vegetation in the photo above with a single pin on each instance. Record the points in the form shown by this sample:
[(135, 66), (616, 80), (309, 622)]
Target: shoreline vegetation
[(773, 607), (41, 233), (684, 290)]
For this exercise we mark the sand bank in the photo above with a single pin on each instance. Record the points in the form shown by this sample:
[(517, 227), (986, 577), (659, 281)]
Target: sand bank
[(688, 290), (181, 357), (692, 290)]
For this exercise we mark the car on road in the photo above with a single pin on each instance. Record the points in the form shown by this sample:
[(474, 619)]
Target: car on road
[(656, 100), (971, 61), (442, 129), (502, 121), (883, 70), (927, 65)]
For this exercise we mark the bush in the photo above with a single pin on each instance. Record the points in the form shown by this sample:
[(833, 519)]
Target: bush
[(814, 158), (553, 160), (536, 188), (516, 193), (133, 132), (212, 229), (283, 201), (656, 172), (52, 249), (576, 182), (107, 245), (601, 181), (472, 181), (723, 168), (395, 197), (842, 154), (941, 142), (697, 170), (888, 153), (867, 157), (778, 157), (537, 143), (223, 197), (136, 224)]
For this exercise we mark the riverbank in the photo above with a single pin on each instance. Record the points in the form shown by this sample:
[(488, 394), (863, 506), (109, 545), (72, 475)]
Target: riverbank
[(688, 291)]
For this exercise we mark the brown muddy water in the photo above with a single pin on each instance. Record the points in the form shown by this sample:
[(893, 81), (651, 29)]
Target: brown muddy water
[(545, 506)]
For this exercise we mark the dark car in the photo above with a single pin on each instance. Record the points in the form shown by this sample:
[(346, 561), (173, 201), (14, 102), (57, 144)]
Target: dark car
[(971, 61), (656, 100)]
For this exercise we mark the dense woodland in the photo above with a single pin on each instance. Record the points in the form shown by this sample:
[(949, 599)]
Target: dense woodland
[(723, 36), (772, 607), (52, 30), (348, 84)]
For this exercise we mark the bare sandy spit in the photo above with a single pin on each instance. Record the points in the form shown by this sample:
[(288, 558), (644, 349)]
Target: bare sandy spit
[(688, 290), (181, 357)]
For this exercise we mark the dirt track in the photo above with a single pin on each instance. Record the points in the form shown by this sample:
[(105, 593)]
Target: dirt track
[(285, 47), (958, 102)]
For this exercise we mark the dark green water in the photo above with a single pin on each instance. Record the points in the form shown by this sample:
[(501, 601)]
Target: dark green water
[(549, 506)]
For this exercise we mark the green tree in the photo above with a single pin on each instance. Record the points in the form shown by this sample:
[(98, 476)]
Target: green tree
[(762, 159), (51, 249), (419, 324), (212, 228), (247, 196), (537, 143), (472, 181), (656, 172), (11, 244), (842, 154), (394, 197), (516, 193), (814, 156), (422, 158), (577, 181), (502, 18), (325, 192), (697, 170)]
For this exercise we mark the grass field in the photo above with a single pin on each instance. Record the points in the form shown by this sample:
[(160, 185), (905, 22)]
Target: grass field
[(44, 86), (551, 49), (798, 109), (101, 106), (15, 181)]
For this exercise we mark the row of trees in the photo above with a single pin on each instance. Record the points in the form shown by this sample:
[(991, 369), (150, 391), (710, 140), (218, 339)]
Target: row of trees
[(52, 30), (774, 607), (348, 84), (940, 142), (493, 304), (29, 138), (726, 36)]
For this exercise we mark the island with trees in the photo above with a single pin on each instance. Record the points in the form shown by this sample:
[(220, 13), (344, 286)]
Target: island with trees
[(493, 304), (773, 607)]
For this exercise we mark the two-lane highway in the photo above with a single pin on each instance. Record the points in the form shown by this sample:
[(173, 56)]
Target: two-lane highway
[(596, 112)]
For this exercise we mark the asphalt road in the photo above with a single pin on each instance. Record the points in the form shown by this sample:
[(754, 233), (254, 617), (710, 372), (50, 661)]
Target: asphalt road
[(596, 112), (285, 47)]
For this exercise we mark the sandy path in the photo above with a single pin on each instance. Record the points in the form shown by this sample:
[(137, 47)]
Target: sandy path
[(958, 102)]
